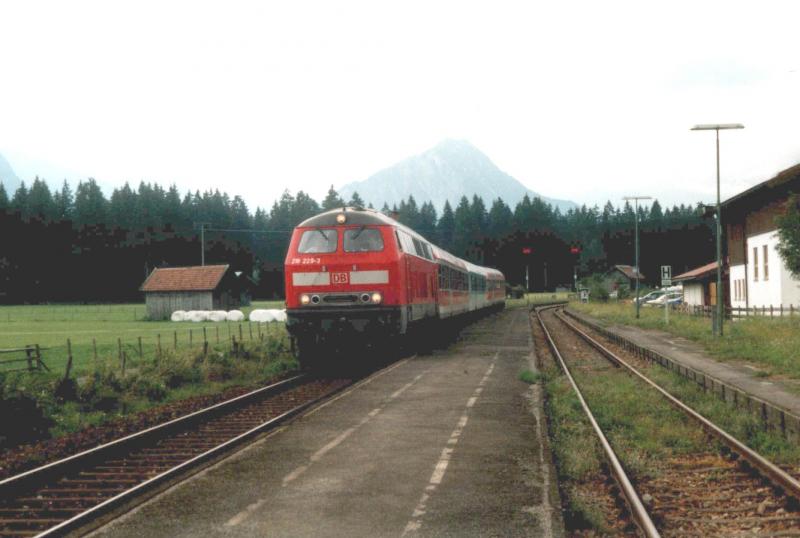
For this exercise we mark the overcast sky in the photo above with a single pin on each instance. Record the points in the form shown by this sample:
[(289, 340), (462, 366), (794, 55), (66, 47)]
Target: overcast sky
[(578, 100)]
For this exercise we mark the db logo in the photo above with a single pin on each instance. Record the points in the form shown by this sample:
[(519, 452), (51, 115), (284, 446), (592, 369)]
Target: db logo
[(340, 278)]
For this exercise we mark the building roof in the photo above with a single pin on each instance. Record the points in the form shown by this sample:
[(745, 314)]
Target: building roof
[(785, 180), (197, 278), (697, 273), (628, 271)]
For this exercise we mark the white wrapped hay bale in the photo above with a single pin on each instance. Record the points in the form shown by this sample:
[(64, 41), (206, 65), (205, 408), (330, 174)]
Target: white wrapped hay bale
[(235, 315), (280, 316), (261, 316), (178, 315), (197, 316), (217, 315)]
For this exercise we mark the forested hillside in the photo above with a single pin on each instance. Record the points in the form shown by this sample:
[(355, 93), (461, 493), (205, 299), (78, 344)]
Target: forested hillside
[(60, 245)]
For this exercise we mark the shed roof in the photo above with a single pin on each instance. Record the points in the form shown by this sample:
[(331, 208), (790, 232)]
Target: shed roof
[(628, 271), (197, 278), (696, 273)]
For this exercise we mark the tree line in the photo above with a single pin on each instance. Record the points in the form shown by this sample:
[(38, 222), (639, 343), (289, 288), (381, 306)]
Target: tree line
[(60, 245)]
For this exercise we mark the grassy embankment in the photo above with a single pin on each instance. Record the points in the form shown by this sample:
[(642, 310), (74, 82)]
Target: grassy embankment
[(642, 428), (770, 344), (98, 389), (50, 326), (536, 298)]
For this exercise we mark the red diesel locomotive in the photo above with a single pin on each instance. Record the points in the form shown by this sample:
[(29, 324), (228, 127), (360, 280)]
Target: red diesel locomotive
[(354, 270)]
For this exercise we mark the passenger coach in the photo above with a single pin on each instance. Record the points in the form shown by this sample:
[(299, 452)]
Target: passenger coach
[(360, 274)]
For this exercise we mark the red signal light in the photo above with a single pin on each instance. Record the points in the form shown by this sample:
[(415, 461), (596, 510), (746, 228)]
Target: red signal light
[(527, 250), (574, 250)]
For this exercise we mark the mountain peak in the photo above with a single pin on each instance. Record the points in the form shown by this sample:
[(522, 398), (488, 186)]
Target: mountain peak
[(451, 169)]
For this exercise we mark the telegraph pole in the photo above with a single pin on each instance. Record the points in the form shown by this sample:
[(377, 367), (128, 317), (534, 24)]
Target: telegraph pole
[(202, 240), (636, 228)]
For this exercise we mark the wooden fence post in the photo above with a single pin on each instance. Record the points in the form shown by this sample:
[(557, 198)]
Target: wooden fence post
[(141, 352), (39, 360), (94, 348), (241, 338), (190, 338), (119, 349), (69, 359), (29, 357), (205, 338), (159, 344), (217, 328), (250, 326), (258, 326), (175, 335)]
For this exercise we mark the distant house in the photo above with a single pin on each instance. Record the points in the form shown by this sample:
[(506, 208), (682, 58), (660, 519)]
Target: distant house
[(758, 275), (208, 287), (622, 275), (698, 285)]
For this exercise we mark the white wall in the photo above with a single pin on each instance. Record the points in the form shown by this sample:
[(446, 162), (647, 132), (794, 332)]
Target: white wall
[(693, 293), (780, 288)]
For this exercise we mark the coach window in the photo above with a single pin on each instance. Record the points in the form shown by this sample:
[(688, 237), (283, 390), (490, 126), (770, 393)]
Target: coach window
[(318, 241), (363, 240), (427, 250)]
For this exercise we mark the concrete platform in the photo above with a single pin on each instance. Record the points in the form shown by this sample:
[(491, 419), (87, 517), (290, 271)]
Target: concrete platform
[(448, 444), (778, 404)]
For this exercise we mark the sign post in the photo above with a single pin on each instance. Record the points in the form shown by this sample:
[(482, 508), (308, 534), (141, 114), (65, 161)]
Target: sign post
[(666, 281)]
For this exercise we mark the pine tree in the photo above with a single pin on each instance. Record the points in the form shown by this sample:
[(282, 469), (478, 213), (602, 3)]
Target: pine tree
[(40, 200), (355, 200), (446, 227), (332, 200), (427, 221), (91, 207), (4, 203), (20, 200), (64, 202), (500, 219)]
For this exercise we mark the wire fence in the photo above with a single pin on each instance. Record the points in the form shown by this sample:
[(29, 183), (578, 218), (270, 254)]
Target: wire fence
[(732, 312), (80, 355)]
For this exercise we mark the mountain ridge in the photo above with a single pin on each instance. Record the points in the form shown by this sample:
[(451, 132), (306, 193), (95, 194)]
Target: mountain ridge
[(446, 172), (8, 178)]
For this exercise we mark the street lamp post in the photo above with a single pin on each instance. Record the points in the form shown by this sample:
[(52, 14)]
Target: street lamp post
[(717, 329), (636, 241)]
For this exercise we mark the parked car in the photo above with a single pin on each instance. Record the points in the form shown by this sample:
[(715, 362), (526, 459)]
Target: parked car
[(649, 297), (671, 298)]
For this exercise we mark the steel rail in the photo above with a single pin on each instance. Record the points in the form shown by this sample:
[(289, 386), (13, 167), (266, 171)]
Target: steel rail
[(635, 504), (766, 468), (84, 518), (19, 484), (63, 465)]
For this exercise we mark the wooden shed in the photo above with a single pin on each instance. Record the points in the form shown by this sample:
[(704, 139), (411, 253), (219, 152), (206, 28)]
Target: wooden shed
[(207, 287)]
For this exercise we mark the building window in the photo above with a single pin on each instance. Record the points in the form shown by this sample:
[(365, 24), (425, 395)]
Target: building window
[(766, 264), (737, 290), (755, 264)]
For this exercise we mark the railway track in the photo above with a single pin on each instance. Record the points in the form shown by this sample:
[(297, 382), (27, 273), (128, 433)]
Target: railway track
[(722, 489), (82, 491)]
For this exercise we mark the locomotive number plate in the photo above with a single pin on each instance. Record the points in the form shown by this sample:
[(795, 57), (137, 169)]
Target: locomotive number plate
[(340, 278)]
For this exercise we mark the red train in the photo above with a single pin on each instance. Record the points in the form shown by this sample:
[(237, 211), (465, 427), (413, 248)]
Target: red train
[(357, 271)]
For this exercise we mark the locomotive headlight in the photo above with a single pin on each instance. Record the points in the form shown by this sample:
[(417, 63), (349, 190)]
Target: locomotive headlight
[(305, 299), (341, 218), (376, 297)]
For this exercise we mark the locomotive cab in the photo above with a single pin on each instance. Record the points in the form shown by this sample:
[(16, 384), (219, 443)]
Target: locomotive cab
[(341, 272)]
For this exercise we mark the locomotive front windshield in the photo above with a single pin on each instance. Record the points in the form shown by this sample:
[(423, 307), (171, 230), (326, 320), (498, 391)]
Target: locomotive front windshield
[(363, 240), (318, 241)]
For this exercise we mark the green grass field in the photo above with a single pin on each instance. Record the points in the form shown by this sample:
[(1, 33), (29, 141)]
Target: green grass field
[(771, 344), (50, 326)]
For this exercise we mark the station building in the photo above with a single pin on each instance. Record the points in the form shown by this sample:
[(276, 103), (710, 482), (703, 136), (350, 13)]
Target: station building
[(758, 276)]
